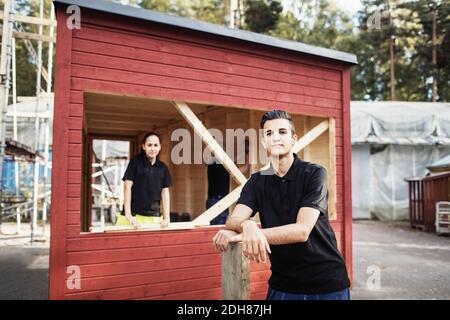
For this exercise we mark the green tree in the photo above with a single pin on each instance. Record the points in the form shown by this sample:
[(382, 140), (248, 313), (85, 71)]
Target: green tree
[(261, 16), (423, 50), (213, 11)]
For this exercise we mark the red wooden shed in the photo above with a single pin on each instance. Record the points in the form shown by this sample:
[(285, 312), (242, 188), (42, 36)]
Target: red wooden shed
[(124, 71)]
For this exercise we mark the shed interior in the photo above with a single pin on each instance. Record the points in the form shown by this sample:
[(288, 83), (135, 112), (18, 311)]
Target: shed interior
[(113, 117)]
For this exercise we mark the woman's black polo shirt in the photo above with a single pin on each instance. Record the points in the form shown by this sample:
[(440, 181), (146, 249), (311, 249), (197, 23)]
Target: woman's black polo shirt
[(312, 267), (148, 182)]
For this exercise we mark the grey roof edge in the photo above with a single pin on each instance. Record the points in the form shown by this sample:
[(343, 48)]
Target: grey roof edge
[(148, 15)]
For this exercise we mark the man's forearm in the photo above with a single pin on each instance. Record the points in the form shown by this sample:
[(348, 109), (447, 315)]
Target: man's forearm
[(290, 233), (234, 224)]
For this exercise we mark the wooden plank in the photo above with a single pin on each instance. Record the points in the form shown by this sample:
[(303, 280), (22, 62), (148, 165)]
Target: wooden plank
[(310, 136), (216, 49), (347, 160), (144, 227), (209, 294), (80, 84), (149, 291), (104, 55), (235, 274), (146, 278), (224, 203), (73, 217), (33, 36), (30, 20), (75, 136), (138, 239), (141, 78), (162, 264), (112, 114), (57, 269), (209, 140), (261, 275), (332, 200), (95, 257)]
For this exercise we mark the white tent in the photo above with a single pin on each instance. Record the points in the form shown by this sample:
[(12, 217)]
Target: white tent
[(390, 142), (26, 115)]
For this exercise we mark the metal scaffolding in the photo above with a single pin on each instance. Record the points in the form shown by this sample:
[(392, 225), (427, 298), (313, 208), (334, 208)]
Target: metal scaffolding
[(37, 198)]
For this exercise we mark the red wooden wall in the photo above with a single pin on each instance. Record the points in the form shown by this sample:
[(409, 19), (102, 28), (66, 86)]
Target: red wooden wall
[(116, 54)]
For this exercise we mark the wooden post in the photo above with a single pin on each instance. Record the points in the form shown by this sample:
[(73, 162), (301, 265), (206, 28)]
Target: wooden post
[(332, 199), (235, 274)]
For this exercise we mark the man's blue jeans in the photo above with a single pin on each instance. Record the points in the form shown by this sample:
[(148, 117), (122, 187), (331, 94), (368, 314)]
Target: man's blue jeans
[(221, 218), (273, 294)]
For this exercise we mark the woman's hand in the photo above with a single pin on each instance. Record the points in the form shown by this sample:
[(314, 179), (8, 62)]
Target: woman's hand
[(165, 223), (133, 221)]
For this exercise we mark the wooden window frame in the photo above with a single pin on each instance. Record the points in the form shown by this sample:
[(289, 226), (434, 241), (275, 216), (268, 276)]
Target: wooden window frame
[(204, 219)]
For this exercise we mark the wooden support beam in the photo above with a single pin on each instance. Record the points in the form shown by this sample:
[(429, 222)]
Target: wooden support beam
[(33, 36), (233, 196), (145, 227), (30, 20), (332, 198), (310, 136), (235, 274), (216, 209), (209, 140)]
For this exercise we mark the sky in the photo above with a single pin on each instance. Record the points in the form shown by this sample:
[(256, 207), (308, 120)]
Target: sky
[(351, 6)]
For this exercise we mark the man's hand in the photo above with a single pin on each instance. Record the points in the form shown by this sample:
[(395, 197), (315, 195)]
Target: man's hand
[(254, 242), (133, 221), (165, 223), (223, 238)]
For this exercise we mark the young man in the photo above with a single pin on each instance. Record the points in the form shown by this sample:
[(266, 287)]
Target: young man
[(291, 198)]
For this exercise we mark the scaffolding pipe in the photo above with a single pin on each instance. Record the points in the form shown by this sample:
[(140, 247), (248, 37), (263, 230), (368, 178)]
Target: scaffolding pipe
[(102, 203), (36, 126), (5, 66), (47, 125), (14, 102)]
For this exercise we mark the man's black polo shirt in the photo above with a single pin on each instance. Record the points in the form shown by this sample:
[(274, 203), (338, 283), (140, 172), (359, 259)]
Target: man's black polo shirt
[(315, 266), (148, 182)]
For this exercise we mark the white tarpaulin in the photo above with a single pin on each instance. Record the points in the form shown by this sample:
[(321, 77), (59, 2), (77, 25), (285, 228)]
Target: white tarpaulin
[(398, 140), (26, 115)]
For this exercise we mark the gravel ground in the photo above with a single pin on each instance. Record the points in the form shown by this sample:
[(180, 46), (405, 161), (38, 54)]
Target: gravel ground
[(411, 264)]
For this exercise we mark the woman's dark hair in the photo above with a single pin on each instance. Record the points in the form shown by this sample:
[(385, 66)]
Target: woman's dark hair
[(149, 134), (277, 114)]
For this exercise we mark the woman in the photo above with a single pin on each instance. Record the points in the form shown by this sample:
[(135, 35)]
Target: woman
[(147, 181)]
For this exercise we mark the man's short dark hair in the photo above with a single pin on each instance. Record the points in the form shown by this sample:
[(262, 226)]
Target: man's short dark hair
[(277, 114)]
